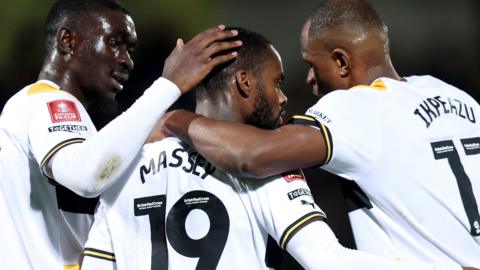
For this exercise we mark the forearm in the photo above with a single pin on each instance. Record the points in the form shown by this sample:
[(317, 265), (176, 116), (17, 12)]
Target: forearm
[(315, 247), (247, 151), (228, 146), (90, 167)]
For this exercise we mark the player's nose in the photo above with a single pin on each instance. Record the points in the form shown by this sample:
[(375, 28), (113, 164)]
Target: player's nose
[(282, 98)]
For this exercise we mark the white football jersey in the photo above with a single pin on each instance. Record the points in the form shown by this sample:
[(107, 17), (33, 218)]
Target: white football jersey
[(40, 225), (175, 210), (413, 147)]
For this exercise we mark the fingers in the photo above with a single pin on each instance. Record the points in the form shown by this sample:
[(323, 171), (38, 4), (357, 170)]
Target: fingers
[(180, 43), (178, 46), (217, 36), (219, 47), (211, 35), (189, 63), (218, 60), (207, 32)]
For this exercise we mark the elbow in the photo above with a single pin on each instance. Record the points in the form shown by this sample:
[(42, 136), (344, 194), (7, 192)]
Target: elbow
[(248, 169), (89, 190), (83, 186), (249, 165)]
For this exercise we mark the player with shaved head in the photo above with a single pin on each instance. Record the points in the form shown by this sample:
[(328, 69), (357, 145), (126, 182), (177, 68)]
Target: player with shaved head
[(175, 210), (410, 143)]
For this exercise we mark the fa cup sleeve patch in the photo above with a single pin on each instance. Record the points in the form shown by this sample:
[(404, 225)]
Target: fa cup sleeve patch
[(293, 175), (63, 111)]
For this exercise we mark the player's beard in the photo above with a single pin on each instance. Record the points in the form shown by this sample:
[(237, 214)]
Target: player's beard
[(262, 115)]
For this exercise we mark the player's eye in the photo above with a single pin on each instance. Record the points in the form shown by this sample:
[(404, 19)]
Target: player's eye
[(279, 84), (114, 43)]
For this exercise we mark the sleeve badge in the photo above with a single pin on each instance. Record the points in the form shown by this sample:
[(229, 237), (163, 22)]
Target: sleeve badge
[(63, 110)]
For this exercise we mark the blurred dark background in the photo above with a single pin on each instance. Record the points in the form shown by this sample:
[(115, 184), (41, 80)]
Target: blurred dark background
[(436, 37)]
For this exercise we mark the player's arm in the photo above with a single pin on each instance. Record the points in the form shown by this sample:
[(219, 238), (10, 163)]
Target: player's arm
[(247, 151), (316, 247), (285, 208), (88, 167)]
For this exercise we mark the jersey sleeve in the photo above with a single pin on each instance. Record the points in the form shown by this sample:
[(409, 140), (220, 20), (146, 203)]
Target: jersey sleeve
[(59, 120), (316, 247), (283, 205), (90, 167), (349, 122), (98, 252)]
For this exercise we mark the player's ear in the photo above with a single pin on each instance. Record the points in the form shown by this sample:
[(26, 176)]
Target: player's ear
[(65, 41), (342, 61), (244, 83)]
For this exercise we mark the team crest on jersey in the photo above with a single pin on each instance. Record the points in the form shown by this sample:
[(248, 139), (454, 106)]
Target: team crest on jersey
[(293, 175), (63, 111)]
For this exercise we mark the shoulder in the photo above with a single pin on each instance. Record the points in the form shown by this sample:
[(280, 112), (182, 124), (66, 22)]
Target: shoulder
[(360, 101), (41, 87), (355, 94), (47, 90), (425, 80), (33, 91), (48, 93), (440, 87)]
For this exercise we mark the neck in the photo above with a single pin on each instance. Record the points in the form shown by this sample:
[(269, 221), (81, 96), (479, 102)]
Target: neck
[(385, 70), (222, 109), (56, 73), (373, 58)]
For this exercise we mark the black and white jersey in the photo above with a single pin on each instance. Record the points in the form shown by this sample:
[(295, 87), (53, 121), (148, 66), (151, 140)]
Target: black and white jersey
[(43, 225), (413, 147), (175, 210)]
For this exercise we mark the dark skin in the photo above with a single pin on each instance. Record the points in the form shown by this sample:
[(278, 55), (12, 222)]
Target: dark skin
[(238, 103), (238, 99), (340, 60), (96, 60)]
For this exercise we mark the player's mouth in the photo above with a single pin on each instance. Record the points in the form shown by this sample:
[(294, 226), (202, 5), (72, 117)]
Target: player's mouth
[(119, 79)]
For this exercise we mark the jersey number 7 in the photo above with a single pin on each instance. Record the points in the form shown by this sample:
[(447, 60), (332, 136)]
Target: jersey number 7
[(208, 249), (446, 149)]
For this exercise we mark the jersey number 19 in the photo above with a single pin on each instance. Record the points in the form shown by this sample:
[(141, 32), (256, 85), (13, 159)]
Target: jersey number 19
[(208, 249)]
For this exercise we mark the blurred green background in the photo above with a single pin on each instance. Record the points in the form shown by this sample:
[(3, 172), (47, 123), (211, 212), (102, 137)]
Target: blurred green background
[(436, 37)]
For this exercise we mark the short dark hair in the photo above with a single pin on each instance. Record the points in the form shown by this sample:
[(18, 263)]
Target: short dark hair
[(75, 14), (351, 14), (253, 52)]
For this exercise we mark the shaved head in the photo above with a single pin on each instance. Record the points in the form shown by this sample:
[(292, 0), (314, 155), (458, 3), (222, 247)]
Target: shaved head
[(75, 14), (345, 43), (346, 15)]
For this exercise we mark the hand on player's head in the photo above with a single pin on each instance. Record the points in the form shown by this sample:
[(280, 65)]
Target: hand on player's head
[(189, 63)]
